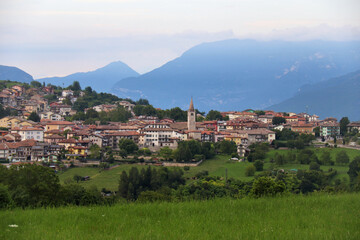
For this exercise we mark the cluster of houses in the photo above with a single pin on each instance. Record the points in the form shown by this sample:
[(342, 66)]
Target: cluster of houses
[(43, 141), (25, 101)]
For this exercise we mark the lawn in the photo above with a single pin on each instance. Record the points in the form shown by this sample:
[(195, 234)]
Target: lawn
[(289, 217), (341, 170), (108, 179), (216, 166)]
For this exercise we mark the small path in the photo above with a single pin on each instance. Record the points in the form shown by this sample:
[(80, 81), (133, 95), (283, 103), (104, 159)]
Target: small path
[(115, 166)]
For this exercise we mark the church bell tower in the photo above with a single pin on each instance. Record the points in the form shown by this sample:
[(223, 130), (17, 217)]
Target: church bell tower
[(191, 119)]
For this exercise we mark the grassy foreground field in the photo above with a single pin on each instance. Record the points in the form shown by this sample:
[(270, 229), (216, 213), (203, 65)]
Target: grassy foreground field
[(291, 217)]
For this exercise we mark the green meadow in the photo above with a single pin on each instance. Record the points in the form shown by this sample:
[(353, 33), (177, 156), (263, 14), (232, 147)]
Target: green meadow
[(316, 216), (216, 166)]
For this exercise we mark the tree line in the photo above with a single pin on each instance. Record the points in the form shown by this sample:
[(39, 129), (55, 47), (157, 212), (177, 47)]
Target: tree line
[(30, 185)]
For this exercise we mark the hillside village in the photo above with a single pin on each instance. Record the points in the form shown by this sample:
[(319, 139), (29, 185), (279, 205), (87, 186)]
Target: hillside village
[(54, 136)]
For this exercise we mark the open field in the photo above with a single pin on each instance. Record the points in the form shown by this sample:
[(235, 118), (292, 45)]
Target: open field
[(288, 217), (318, 151), (110, 178)]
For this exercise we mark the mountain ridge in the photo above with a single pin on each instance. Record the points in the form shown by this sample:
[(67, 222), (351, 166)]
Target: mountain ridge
[(14, 74), (100, 79), (226, 75), (337, 97)]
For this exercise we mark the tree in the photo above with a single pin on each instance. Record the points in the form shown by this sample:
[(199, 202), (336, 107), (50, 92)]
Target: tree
[(250, 170), (166, 153), (214, 115), (67, 101), (342, 158), (35, 84), (95, 151), (4, 112), (314, 166), (317, 131), (80, 105), (226, 147), (33, 185), (128, 145), (104, 165), (278, 120), (354, 168), (183, 153), (325, 158), (279, 159), (34, 117), (5, 198), (91, 113), (299, 144), (266, 186), (73, 194), (75, 86), (77, 178), (88, 90), (142, 101), (343, 125), (259, 165), (123, 184), (123, 153), (259, 112), (177, 114)]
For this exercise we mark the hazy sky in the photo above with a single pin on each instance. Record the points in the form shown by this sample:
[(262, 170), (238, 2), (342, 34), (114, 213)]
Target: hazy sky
[(60, 37)]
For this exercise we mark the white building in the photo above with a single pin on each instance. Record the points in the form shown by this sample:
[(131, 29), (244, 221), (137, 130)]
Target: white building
[(51, 116), (158, 135), (66, 93), (29, 133)]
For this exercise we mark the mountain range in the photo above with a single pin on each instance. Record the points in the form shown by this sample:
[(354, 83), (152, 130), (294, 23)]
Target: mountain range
[(101, 79), (239, 74), (337, 97), (14, 74)]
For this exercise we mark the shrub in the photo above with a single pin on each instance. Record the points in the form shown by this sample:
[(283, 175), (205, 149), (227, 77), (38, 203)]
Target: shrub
[(186, 168), (314, 166), (202, 174), (198, 157), (342, 158), (259, 165), (5, 198), (250, 170), (266, 186)]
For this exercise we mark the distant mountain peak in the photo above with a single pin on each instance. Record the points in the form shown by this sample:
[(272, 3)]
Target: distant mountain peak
[(101, 79), (14, 74)]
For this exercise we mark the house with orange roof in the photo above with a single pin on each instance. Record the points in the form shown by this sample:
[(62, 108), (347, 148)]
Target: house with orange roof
[(58, 125), (291, 119), (303, 128)]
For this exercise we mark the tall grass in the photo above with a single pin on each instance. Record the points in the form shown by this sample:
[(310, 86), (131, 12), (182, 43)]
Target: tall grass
[(290, 217)]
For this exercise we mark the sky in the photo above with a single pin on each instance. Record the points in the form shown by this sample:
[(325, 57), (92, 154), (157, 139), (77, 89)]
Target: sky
[(59, 37)]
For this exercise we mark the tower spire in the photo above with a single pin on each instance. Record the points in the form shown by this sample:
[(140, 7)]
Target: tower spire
[(191, 117), (191, 108)]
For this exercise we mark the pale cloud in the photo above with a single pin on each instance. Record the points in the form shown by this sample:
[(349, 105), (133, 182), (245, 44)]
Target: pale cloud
[(303, 33)]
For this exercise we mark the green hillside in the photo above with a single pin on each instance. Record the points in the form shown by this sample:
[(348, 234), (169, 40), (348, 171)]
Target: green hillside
[(216, 166), (291, 217)]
